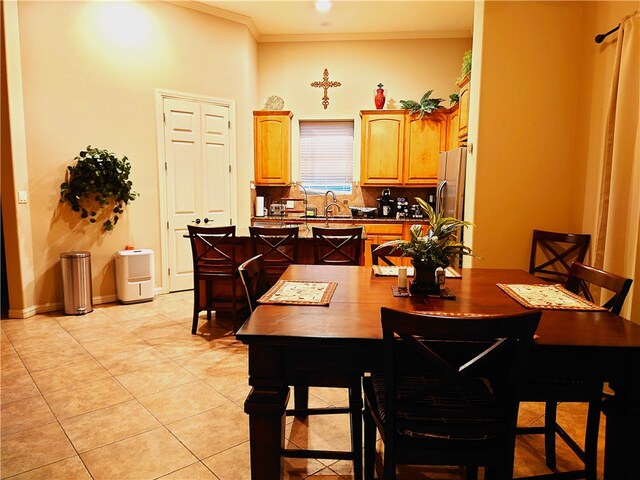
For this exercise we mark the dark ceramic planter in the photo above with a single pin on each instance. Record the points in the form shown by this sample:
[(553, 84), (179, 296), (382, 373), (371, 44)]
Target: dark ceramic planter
[(424, 281)]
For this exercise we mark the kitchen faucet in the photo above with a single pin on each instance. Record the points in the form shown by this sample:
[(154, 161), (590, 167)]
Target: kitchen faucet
[(327, 209), (333, 199)]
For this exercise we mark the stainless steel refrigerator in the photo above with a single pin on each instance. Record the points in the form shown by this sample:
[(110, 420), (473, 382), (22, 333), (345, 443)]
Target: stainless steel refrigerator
[(450, 189)]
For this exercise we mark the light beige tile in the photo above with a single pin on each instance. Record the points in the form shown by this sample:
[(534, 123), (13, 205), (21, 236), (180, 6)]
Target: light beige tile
[(155, 379), (120, 343), (55, 358), (11, 362), (46, 344), (109, 331), (320, 432), (68, 469), (24, 414), (182, 401), (17, 385), (146, 456), (33, 448), (131, 360), (169, 329), (108, 425), (180, 346), (68, 376), (95, 319), (197, 471), (86, 398), (37, 326), (208, 433)]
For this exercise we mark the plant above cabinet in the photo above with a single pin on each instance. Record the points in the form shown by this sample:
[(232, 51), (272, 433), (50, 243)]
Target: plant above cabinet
[(426, 104), (98, 181)]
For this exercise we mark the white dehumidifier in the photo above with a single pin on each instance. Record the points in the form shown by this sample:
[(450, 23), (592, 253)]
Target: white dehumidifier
[(134, 275)]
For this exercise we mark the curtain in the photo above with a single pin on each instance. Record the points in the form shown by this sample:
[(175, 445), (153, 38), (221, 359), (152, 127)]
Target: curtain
[(618, 235)]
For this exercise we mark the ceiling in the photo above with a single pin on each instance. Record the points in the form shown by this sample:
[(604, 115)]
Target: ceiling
[(297, 20)]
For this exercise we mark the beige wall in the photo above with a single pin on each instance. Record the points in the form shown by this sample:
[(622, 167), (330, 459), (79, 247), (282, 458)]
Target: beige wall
[(84, 84), (525, 158), (406, 68)]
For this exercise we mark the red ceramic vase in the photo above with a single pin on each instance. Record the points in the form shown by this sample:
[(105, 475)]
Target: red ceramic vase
[(379, 98)]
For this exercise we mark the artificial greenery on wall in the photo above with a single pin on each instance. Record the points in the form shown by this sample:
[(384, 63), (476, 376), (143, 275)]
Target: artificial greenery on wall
[(98, 181)]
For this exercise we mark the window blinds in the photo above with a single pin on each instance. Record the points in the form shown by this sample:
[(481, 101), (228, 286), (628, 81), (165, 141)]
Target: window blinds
[(326, 155)]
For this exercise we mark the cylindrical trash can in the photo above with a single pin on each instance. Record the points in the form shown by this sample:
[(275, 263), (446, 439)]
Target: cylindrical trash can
[(76, 282)]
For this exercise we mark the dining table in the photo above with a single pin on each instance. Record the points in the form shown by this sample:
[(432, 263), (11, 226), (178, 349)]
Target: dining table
[(344, 334)]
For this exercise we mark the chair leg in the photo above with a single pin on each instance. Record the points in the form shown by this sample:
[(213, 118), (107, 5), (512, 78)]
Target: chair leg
[(591, 441), (301, 398), (550, 434), (196, 308), (389, 466), (471, 473), (369, 445), (355, 414)]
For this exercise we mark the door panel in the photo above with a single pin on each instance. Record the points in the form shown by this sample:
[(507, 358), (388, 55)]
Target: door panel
[(198, 178)]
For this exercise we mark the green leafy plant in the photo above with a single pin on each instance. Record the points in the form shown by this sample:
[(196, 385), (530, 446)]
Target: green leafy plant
[(98, 180), (439, 245), (466, 65), (426, 104), (454, 98)]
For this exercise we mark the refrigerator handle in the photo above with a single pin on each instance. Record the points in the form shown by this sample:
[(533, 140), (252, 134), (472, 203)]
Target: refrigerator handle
[(440, 196)]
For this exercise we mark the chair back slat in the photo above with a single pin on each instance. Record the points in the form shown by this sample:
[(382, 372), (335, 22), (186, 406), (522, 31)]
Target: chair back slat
[(581, 276), (213, 250), (552, 254), (337, 246), (384, 254), (278, 247)]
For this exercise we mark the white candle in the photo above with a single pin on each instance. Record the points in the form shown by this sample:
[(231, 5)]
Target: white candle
[(402, 277)]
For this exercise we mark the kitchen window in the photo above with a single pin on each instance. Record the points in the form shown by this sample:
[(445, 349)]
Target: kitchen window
[(326, 156)]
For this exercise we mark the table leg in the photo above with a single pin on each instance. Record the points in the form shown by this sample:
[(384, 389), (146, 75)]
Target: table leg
[(266, 409), (622, 442)]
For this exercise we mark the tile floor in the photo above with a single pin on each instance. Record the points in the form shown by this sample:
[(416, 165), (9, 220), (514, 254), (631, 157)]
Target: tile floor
[(126, 392)]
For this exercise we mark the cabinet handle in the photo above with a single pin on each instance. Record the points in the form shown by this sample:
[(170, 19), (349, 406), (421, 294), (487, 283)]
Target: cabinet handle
[(196, 221), (206, 220)]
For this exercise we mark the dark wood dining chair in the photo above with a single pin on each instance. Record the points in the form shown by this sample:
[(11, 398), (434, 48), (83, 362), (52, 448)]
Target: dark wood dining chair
[(254, 280), (253, 276), (337, 246), (384, 255), (449, 391), (576, 390), (552, 254), (215, 273), (278, 246)]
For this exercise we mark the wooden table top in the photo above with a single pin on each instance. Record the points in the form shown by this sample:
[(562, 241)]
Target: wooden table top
[(354, 311)]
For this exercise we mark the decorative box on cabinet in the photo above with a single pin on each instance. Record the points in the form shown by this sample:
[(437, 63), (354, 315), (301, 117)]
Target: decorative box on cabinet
[(272, 147)]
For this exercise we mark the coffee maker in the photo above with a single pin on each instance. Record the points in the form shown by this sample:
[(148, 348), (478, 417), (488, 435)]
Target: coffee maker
[(386, 205)]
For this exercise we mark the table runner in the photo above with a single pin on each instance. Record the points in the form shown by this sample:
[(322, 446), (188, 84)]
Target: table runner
[(547, 296), (290, 292)]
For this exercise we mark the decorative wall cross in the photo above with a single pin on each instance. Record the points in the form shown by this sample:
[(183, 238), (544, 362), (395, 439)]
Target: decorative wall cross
[(326, 84)]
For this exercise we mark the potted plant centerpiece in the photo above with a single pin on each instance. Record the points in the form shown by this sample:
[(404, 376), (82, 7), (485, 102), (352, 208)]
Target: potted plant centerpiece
[(438, 247)]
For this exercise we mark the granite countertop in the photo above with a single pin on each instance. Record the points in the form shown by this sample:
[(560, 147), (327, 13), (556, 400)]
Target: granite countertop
[(334, 219)]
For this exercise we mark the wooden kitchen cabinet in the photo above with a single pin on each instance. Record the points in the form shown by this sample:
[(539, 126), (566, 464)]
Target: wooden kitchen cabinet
[(425, 138), (453, 127), (401, 149), (378, 233), (272, 147), (463, 124), (382, 147)]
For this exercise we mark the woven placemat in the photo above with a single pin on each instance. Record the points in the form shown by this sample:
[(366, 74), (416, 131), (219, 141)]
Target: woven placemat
[(296, 292), (547, 296)]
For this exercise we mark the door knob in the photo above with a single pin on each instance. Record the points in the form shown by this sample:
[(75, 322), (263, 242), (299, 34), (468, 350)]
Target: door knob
[(196, 221), (206, 220)]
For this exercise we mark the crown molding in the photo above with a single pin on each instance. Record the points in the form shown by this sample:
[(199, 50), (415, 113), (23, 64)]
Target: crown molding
[(341, 37)]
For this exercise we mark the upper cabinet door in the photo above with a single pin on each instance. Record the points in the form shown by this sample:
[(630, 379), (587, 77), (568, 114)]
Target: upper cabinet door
[(382, 147), (272, 147), (465, 90), (425, 138)]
